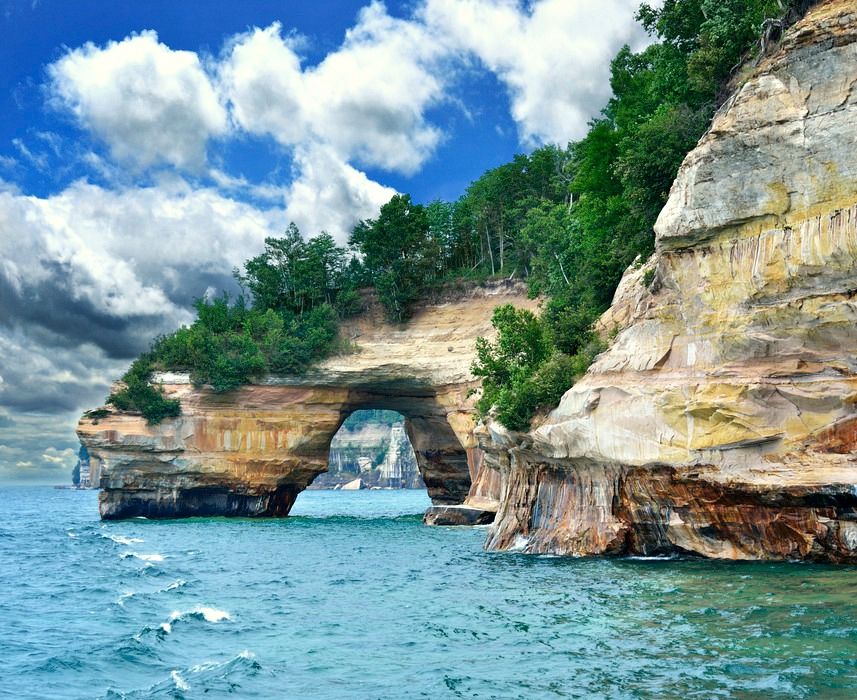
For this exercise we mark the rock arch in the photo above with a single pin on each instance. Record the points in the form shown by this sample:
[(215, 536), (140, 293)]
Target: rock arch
[(252, 451)]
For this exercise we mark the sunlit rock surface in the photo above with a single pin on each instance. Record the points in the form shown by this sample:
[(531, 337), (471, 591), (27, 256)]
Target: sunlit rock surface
[(252, 451), (722, 419)]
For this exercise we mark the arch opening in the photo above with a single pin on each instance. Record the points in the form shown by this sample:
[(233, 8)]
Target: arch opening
[(371, 450)]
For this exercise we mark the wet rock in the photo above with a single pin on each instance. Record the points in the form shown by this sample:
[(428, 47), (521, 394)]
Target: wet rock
[(457, 515), (353, 485)]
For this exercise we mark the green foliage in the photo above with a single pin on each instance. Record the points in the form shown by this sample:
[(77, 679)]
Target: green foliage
[(293, 275), (712, 34), (299, 291), (139, 395), (399, 254), (522, 372)]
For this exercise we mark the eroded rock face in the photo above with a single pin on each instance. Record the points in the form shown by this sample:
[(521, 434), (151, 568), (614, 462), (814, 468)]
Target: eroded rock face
[(252, 451), (722, 420)]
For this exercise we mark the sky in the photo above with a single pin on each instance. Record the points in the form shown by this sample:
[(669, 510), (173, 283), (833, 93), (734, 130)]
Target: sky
[(148, 148)]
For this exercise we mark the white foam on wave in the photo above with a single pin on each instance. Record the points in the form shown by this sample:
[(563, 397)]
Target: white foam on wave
[(165, 627), (121, 539), (71, 534), (207, 613), (143, 557), (178, 583), (520, 544), (245, 655), (181, 683), (120, 601)]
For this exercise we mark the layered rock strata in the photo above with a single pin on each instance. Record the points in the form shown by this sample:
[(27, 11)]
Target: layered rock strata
[(722, 420), (252, 451)]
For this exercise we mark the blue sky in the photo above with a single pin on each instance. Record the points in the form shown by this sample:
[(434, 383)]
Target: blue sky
[(146, 148)]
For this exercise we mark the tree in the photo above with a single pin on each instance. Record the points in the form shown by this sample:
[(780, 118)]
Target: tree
[(398, 253)]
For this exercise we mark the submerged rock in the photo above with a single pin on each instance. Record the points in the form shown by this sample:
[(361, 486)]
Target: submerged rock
[(722, 419)]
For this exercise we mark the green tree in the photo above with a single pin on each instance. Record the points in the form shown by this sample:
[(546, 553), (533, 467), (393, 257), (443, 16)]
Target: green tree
[(398, 253)]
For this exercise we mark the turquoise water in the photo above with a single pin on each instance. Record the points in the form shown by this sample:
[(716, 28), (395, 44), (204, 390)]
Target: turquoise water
[(355, 598)]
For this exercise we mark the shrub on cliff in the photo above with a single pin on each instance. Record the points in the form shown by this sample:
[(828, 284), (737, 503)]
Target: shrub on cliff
[(230, 344), (299, 290), (522, 372), (140, 395)]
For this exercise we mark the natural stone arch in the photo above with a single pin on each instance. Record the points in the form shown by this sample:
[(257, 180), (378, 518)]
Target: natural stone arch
[(252, 451), (442, 440)]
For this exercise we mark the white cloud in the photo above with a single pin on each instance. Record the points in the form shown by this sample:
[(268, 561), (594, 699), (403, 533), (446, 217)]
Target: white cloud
[(330, 195), (116, 267), (554, 56), (366, 101), (54, 456), (151, 104), (263, 80)]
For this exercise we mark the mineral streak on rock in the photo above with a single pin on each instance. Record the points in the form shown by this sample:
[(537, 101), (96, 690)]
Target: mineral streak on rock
[(722, 419), (252, 451)]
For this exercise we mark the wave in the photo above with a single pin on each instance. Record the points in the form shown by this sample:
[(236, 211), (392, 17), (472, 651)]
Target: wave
[(143, 557), (181, 683), (120, 601), (178, 583), (121, 539), (219, 677), (201, 612), (520, 544)]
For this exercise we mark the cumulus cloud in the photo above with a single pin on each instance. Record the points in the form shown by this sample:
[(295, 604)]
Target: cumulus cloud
[(554, 55), (366, 101), (149, 103), (330, 195)]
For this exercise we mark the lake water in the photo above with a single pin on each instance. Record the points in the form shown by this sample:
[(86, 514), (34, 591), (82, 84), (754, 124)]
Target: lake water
[(355, 598)]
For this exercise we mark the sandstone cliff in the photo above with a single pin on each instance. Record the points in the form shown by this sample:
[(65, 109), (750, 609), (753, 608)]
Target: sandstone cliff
[(250, 452), (722, 420)]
